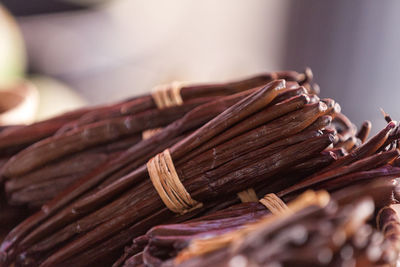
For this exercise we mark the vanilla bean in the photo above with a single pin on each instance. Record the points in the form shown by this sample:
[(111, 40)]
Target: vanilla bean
[(131, 108), (14, 139), (72, 165), (38, 193), (386, 172), (338, 151), (364, 131), (70, 168), (192, 91), (349, 144), (294, 122), (320, 123), (261, 170), (254, 121), (296, 173), (344, 124), (289, 93), (365, 150), (363, 164)]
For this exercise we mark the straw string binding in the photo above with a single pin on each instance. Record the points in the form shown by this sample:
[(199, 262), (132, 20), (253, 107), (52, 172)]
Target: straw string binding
[(150, 132), (167, 95), (248, 195), (274, 204), (165, 179)]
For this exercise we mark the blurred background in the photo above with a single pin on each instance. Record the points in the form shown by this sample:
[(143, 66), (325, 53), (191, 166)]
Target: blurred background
[(80, 52)]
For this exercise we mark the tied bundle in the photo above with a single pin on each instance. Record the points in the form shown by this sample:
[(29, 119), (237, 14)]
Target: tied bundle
[(317, 231), (42, 159), (254, 137), (160, 245)]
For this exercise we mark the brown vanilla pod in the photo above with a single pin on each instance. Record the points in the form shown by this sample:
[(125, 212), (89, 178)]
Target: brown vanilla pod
[(56, 176), (366, 149), (361, 165), (14, 139), (364, 131)]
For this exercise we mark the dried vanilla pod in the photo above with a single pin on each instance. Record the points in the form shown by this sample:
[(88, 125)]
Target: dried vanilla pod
[(364, 131), (366, 157), (68, 168), (13, 139)]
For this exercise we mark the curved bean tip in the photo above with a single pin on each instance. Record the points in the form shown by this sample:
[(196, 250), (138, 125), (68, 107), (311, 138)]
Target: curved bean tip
[(322, 106), (332, 138), (337, 108), (303, 89), (329, 102), (391, 125), (367, 124), (305, 98)]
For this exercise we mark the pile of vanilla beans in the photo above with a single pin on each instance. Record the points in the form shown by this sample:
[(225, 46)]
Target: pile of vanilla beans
[(75, 189)]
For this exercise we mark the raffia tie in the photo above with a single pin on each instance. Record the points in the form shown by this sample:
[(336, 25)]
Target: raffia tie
[(168, 95), (150, 132), (165, 180), (274, 204), (248, 195)]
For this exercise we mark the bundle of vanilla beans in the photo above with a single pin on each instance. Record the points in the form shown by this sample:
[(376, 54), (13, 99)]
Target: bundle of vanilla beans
[(43, 158), (316, 230), (104, 185)]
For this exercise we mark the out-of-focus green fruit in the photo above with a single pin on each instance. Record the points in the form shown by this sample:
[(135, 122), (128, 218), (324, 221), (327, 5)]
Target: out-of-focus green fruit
[(55, 97), (12, 49)]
